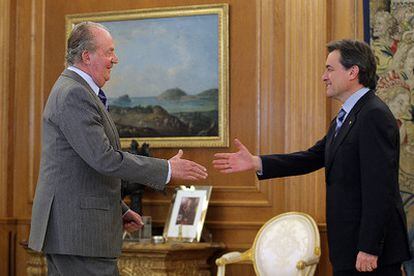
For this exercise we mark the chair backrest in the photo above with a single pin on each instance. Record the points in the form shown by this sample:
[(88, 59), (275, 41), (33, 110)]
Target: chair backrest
[(282, 242)]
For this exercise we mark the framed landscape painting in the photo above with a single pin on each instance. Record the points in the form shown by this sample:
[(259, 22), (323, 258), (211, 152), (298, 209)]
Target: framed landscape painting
[(170, 87)]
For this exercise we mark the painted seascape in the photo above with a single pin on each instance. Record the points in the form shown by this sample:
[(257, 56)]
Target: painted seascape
[(166, 82)]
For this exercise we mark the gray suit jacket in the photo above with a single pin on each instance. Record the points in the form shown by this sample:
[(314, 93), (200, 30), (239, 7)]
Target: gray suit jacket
[(77, 207)]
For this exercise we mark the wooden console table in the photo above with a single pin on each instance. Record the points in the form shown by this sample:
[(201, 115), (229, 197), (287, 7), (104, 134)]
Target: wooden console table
[(172, 259)]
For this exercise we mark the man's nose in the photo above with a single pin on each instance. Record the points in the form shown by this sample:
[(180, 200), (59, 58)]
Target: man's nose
[(115, 59)]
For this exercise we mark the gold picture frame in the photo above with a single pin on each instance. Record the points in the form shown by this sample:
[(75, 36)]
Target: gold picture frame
[(195, 105), (187, 213)]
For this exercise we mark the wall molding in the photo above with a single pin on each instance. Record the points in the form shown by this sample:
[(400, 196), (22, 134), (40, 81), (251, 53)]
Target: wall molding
[(5, 129), (36, 88)]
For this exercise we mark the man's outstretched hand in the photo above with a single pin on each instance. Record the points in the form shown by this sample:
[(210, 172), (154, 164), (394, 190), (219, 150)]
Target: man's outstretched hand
[(182, 169), (239, 161)]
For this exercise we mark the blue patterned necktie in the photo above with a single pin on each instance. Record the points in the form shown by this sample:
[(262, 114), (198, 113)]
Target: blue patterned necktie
[(339, 120), (103, 99)]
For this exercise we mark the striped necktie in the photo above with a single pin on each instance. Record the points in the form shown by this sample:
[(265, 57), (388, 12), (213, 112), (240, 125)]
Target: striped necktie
[(339, 120), (103, 99)]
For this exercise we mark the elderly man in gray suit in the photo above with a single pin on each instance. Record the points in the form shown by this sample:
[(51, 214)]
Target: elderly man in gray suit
[(78, 213)]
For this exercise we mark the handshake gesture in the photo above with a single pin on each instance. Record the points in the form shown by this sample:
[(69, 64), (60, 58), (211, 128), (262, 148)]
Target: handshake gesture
[(242, 160)]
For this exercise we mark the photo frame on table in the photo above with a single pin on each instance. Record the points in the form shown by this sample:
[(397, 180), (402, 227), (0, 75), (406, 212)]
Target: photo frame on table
[(187, 213), (170, 87)]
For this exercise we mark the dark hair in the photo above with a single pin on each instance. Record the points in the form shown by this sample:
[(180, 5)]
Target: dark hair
[(359, 53), (81, 39)]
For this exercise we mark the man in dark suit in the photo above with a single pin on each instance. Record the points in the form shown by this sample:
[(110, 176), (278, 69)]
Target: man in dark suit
[(365, 218), (78, 215)]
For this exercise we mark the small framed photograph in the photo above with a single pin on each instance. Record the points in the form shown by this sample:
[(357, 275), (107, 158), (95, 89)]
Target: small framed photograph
[(187, 213)]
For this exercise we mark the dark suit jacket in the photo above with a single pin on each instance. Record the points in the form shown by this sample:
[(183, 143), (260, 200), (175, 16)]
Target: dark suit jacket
[(364, 209)]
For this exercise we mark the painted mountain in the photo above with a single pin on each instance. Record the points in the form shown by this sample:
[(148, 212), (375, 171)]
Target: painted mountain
[(173, 113)]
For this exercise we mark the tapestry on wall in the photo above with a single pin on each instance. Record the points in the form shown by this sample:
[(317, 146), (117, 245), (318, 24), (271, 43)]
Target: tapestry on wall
[(392, 38)]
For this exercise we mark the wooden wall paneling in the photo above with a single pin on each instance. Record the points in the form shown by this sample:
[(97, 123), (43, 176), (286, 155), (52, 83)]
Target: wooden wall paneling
[(6, 97), (22, 234), (273, 99), (240, 269), (4, 77), (307, 107), (4, 249), (324, 267), (306, 102), (29, 99), (21, 107), (346, 19), (7, 246), (37, 93), (346, 22), (7, 228), (271, 91), (27, 108)]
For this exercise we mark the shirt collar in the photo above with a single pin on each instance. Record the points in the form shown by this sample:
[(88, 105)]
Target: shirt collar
[(353, 99), (86, 77)]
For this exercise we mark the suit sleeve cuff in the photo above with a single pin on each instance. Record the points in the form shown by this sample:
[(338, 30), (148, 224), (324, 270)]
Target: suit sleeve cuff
[(169, 172)]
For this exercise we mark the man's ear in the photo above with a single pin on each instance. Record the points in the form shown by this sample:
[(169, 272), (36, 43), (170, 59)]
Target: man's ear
[(353, 72), (86, 57)]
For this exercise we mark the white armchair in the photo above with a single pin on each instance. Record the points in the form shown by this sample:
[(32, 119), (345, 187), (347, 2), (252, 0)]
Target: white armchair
[(288, 244)]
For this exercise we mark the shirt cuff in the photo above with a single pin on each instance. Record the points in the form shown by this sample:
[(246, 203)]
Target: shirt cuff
[(129, 210), (169, 173), (260, 172)]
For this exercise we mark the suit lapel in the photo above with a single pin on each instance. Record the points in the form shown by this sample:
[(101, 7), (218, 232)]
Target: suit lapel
[(76, 77), (333, 143)]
